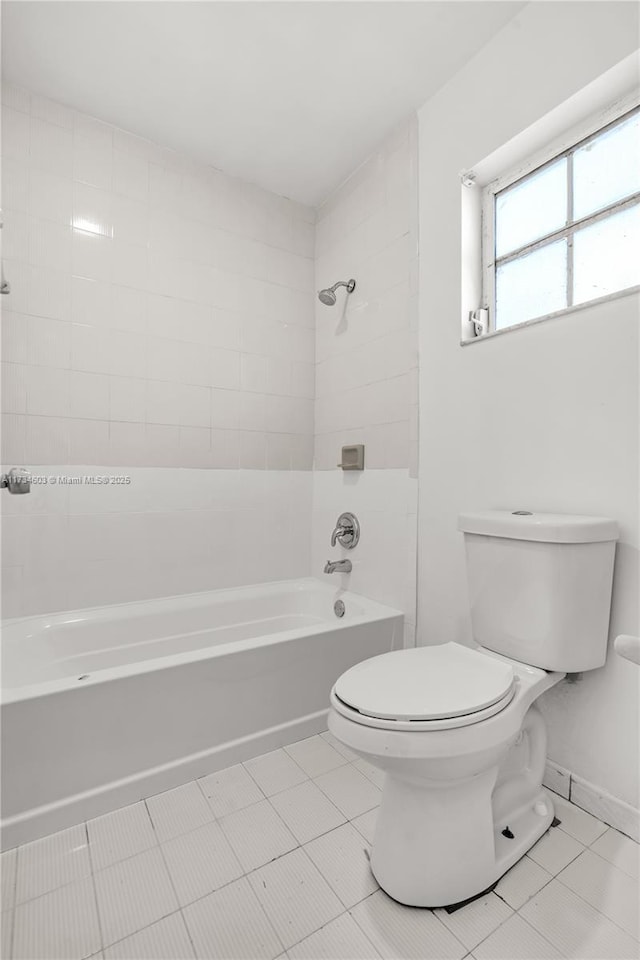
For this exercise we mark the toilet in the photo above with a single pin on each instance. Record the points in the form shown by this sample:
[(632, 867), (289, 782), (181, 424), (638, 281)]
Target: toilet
[(455, 728)]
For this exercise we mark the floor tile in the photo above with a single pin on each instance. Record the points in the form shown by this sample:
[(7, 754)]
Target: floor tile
[(8, 877), (555, 850), (178, 811), (257, 835), (133, 894), (61, 925), (295, 897), (6, 933), (623, 852), (200, 862), (606, 888), (372, 773), (403, 933), (340, 747), (575, 928), (307, 811), (275, 771), (315, 756), (165, 940), (516, 940), (230, 790), (232, 924), (366, 824), (341, 938), (473, 923), (576, 822), (52, 862), (349, 790), (342, 858), (522, 882), (120, 834)]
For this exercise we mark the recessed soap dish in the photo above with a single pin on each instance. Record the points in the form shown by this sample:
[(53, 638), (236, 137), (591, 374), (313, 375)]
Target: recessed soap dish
[(352, 457)]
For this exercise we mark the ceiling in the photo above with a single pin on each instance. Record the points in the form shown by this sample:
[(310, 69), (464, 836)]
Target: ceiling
[(291, 96)]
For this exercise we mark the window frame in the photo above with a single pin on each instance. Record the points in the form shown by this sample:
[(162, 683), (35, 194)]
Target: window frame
[(565, 147)]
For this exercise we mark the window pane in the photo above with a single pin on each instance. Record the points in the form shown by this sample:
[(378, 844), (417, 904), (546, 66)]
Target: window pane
[(532, 286), (606, 256), (532, 209), (607, 169)]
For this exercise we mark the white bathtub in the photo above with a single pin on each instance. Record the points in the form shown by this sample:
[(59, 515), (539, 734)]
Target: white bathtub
[(105, 706)]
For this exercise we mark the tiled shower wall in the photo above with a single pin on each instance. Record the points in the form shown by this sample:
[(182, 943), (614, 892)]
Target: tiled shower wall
[(160, 322), (163, 327), (367, 372)]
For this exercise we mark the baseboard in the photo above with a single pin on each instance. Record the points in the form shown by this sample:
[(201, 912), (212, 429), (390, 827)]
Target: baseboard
[(596, 801), (69, 811), (558, 779)]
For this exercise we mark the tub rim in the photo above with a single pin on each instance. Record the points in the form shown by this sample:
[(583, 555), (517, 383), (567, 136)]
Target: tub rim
[(374, 612)]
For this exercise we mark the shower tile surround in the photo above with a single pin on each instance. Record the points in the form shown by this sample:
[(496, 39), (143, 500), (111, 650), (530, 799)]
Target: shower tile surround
[(163, 326), (367, 372)]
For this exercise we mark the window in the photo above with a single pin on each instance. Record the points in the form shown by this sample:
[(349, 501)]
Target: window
[(568, 232)]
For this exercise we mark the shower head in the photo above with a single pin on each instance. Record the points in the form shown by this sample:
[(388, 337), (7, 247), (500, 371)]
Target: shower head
[(328, 295)]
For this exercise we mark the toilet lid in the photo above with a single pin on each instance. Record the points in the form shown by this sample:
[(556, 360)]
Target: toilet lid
[(425, 683)]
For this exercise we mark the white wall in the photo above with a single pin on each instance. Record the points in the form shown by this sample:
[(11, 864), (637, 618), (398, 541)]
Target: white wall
[(543, 418), (366, 373), (160, 325)]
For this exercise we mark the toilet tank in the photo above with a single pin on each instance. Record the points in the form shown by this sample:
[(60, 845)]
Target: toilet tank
[(540, 586)]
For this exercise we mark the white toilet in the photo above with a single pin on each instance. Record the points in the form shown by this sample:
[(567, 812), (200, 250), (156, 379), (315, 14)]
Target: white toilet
[(454, 727)]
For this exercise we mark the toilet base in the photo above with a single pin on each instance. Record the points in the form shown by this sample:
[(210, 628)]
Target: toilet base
[(445, 884)]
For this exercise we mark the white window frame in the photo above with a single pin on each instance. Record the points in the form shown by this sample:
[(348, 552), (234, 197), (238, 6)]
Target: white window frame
[(566, 147)]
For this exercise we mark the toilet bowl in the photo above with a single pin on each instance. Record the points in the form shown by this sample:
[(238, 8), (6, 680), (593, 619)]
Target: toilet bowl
[(444, 801), (455, 728)]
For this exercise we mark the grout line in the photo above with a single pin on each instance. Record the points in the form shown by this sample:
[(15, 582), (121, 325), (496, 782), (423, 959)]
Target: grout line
[(14, 892), (590, 905), (537, 931), (93, 886)]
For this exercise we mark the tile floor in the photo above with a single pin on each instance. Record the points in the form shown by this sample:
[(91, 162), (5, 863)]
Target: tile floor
[(268, 859)]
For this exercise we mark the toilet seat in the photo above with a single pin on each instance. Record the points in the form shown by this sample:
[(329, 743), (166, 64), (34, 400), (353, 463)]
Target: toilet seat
[(425, 688)]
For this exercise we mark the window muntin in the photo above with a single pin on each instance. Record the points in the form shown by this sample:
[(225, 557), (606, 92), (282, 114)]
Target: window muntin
[(568, 232)]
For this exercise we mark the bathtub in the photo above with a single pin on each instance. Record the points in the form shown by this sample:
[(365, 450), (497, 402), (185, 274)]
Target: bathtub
[(103, 707)]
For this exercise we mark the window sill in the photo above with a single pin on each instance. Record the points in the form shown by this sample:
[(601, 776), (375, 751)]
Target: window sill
[(552, 316)]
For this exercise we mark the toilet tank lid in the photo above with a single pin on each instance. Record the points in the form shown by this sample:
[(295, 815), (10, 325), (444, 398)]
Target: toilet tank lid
[(547, 527)]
